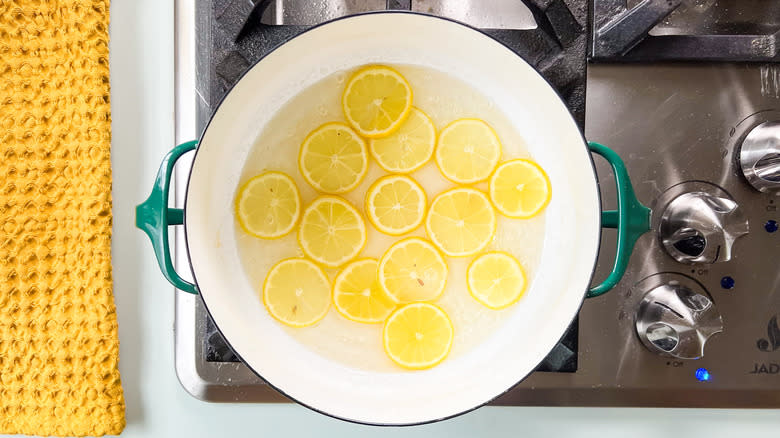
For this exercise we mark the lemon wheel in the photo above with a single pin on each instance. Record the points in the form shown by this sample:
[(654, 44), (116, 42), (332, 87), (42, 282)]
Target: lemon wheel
[(296, 292), (332, 231), (418, 336), (467, 151), (333, 158), (496, 279), (519, 189), (412, 270), (357, 295), (408, 148), (395, 204), (461, 221), (376, 101), (268, 205)]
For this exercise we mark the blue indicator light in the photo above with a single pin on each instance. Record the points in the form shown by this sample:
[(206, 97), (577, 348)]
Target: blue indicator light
[(771, 226), (702, 375), (727, 282)]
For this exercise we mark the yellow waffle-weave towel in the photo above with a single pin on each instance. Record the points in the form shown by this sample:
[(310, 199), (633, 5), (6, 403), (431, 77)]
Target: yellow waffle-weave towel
[(59, 348)]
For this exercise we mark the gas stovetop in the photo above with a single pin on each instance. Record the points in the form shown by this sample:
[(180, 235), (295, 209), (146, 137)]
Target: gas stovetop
[(688, 93)]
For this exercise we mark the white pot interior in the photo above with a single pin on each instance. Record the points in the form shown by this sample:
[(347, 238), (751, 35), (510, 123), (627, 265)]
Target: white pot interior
[(535, 326)]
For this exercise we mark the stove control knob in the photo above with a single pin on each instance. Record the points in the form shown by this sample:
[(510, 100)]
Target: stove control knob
[(701, 226), (759, 157), (674, 320)]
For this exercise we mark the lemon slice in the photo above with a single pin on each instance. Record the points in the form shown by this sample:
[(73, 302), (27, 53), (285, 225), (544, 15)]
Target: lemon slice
[(332, 231), (376, 100), (296, 292), (496, 280), (467, 151), (412, 270), (395, 204), (333, 158), (357, 294), (519, 189), (268, 205), (408, 148), (418, 336), (461, 221)]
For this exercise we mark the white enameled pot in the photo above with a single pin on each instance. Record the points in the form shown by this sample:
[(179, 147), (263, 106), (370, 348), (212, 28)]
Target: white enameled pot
[(571, 244)]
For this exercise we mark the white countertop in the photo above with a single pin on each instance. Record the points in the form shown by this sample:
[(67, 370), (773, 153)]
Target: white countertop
[(142, 99)]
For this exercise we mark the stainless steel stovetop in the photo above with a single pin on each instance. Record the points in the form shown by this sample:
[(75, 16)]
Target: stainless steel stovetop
[(687, 92)]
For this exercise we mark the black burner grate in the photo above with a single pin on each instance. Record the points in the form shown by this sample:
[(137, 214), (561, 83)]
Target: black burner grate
[(674, 30)]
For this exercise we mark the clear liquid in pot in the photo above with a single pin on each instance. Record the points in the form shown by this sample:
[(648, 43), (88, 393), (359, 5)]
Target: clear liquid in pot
[(444, 99)]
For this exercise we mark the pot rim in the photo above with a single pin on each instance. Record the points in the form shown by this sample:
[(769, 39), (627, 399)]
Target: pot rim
[(347, 17)]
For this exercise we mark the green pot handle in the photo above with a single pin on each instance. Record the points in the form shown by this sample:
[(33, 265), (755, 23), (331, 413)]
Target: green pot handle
[(153, 217), (632, 219)]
